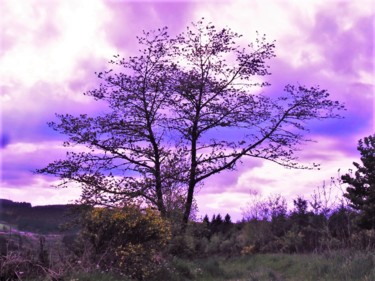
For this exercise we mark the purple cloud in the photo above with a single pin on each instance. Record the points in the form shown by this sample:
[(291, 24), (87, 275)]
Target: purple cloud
[(47, 69), (19, 161), (4, 140), (132, 17)]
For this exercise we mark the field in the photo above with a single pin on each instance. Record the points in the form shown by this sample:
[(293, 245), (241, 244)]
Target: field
[(338, 266)]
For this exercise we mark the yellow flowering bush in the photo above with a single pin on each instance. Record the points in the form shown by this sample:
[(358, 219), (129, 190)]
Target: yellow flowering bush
[(130, 239)]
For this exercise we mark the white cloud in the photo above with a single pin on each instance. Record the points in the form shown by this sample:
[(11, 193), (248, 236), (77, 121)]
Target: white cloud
[(49, 39), (40, 193)]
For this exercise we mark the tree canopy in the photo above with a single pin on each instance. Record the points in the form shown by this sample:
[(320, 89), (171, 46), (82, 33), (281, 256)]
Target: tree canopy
[(182, 110)]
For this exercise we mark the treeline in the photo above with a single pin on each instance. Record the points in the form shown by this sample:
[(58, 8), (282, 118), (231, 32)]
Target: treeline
[(311, 226), (277, 230), (38, 219)]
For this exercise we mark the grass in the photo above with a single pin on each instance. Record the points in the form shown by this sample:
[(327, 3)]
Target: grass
[(336, 266), (341, 265)]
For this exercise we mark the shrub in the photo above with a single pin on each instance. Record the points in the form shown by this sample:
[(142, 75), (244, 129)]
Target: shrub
[(129, 240)]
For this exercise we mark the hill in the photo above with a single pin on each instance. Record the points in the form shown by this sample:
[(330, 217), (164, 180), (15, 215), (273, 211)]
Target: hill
[(39, 219)]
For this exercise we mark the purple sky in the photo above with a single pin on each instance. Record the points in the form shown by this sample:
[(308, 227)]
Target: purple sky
[(51, 49)]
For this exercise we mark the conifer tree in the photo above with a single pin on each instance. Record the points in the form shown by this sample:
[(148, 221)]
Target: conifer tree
[(361, 190)]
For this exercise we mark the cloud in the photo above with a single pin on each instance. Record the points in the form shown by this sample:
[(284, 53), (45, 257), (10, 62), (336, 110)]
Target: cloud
[(40, 192), (47, 69), (226, 202), (4, 140), (50, 51), (130, 18), (336, 52), (20, 160), (345, 43), (26, 113), (54, 37)]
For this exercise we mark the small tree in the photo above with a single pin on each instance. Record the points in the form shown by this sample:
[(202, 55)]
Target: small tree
[(300, 215), (183, 110), (227, 219), (361, 190)]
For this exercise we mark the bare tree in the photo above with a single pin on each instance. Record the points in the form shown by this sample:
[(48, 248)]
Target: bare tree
[(127, 148), (220, 116), (183, 110)]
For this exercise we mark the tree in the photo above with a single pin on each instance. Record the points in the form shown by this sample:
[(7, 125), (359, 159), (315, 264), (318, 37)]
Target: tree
[(211, 93), (128, 155), (183, 110), (300, 215), (206, 220), (361, 190), (227, 219)]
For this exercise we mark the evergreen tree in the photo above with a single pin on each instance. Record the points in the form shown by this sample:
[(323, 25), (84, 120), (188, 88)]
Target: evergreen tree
[(218, 220), (206, 220), (227, 219), (361, 190), (300, 215)]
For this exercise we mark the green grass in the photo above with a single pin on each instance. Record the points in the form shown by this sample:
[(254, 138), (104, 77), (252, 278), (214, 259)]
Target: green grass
[(336, 266)]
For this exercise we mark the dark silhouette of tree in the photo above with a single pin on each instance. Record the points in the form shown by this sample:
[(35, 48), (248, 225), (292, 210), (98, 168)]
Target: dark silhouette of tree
[(206, 220), (213, 92), (227, 219), (361, 190), (218, 220), (183, 110), (216, 224), (300, 215), (278, 211), (128, 153)]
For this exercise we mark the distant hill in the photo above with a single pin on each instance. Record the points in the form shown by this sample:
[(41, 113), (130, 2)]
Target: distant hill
[(39, 219)]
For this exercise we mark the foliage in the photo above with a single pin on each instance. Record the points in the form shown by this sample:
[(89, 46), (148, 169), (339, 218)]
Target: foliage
[(173, 112), (361, 190), (128, 240), (341, 225)]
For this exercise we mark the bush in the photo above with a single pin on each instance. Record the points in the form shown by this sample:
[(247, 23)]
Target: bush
[(128, 240)]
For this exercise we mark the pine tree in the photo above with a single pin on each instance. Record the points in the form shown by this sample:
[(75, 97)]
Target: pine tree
[(206, 220), (361, 190), (227, 219)]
